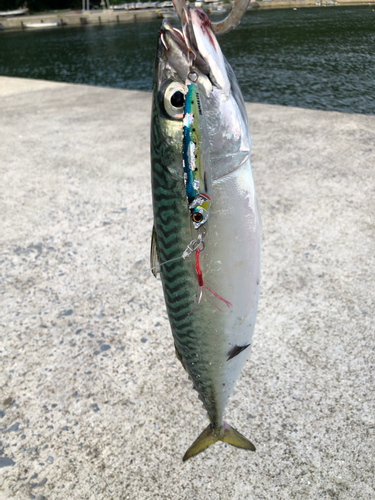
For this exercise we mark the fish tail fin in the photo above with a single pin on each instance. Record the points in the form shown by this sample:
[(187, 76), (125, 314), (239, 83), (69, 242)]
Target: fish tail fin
[(236, 439), (210, 435), (203, 441)]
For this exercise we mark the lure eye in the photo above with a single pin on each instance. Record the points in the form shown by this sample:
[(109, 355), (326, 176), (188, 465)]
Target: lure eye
[(174, 98), (197, 217)]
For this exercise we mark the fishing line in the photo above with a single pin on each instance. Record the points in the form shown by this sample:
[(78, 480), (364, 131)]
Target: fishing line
[(151, 269), (192, 247)]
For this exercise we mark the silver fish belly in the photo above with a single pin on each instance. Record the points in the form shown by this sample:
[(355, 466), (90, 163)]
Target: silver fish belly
[(212, 314)]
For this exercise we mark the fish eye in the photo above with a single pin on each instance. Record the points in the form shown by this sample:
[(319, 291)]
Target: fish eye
[(197, 217), (177, 99), (174, 98)]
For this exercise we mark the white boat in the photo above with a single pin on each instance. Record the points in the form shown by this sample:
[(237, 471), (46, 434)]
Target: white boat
[(165, 5), (42, 24), (253, 5), (124, 6), (217, 8), (18, 12)]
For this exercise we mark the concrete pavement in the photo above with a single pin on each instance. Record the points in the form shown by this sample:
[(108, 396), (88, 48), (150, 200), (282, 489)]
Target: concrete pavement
[(93, 403)]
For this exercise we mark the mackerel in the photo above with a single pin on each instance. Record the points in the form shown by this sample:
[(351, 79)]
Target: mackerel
[(203, 192)]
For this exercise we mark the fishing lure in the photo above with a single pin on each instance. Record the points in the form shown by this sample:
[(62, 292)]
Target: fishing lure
[(195, 177)]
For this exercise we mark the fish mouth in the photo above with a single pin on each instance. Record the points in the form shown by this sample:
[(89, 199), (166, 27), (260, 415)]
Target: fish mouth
[(195, 48), (176, 40)]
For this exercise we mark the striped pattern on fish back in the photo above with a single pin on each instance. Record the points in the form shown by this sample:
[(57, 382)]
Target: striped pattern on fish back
[(172, 230)]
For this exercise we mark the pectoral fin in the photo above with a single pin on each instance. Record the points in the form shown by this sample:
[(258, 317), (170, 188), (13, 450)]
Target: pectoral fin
[(155, 268)]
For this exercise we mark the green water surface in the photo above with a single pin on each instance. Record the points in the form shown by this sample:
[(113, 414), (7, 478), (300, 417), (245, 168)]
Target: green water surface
[(320, 58)]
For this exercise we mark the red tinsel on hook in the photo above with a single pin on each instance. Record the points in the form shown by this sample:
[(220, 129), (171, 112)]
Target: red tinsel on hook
[(203, 286)]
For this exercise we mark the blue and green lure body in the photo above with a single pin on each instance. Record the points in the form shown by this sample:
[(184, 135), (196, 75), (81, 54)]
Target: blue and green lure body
[(195, 177)]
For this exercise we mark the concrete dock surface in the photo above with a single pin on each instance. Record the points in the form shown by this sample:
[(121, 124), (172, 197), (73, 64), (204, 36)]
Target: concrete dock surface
[(93, 403)]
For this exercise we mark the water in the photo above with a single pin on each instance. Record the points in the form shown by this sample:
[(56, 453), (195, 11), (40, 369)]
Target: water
[(320, 58)]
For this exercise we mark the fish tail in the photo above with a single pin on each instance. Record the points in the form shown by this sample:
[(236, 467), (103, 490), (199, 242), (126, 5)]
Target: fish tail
[(210, 435)]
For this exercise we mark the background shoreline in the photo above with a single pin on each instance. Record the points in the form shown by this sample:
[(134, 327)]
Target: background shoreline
[(99, 17)]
